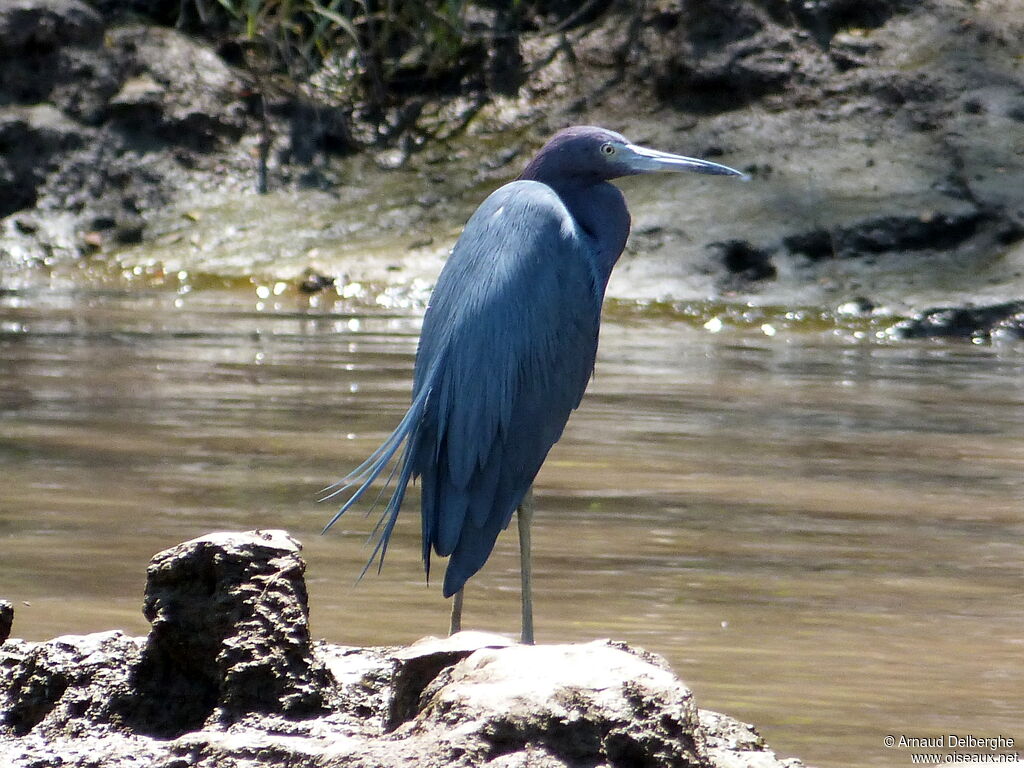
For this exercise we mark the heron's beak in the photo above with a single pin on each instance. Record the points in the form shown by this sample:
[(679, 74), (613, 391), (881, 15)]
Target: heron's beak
[(643, 160)]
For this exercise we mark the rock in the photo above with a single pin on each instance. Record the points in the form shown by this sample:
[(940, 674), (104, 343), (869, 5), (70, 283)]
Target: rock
[(314, 131), (889, 234), (590, 704), (28, 27), (707, 59), (858, 306), (30, 140), (421, 663), (165, 12), (179, 89), (6, 619), (824, 18), (129, 230), (52, 50), (227, 678), (142, 92), (314, 282), (102, 122), (63, 686), (744, 262), (732, 744), (997, 321), (230, 635)]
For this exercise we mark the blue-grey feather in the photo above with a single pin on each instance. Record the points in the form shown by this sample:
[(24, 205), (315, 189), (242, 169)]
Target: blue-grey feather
[(456, 501), (508, 306), (487, 406), (506, 351), (486, 485)]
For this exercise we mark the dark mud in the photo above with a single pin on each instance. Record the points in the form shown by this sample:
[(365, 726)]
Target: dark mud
[(1002, 322)]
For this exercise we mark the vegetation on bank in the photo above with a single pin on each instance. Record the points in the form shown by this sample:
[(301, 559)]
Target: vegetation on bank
[(381, 61)]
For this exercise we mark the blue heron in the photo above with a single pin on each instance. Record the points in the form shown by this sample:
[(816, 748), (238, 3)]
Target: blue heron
[(507, 348)]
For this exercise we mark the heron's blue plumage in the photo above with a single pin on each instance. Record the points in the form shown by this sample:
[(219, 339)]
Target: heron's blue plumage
[(508, 346), (518, 347), (505, 353)]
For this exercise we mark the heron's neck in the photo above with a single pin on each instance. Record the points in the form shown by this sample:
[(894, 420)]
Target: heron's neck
[(600, 211)]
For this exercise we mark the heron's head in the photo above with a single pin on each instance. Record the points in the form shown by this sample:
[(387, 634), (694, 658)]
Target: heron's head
[(585, 154)]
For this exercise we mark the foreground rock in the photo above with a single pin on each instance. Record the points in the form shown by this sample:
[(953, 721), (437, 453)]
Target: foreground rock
[(6, 619), (228, 677)]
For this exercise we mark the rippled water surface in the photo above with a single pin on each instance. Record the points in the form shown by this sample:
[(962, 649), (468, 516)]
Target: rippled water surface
[(824, 535)]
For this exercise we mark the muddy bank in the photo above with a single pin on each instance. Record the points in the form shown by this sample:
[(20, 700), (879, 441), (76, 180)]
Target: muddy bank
[(228, 676), (103, 125), (885, 141)]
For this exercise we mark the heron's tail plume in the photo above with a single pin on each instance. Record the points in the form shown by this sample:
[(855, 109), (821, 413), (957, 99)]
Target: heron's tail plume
[(362, 477)]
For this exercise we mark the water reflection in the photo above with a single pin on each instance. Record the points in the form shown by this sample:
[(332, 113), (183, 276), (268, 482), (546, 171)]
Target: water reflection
[(824, 536)]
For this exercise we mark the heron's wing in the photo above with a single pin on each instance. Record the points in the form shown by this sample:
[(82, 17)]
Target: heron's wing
[(506, 352)]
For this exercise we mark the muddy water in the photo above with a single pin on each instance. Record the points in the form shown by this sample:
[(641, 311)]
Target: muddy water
[(823, 532)]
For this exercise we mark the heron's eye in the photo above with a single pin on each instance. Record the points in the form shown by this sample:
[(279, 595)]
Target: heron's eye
[(608, 149)]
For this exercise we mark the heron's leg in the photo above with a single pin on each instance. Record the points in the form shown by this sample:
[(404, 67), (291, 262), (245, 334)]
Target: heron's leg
[(525, 517), (456, 625)]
